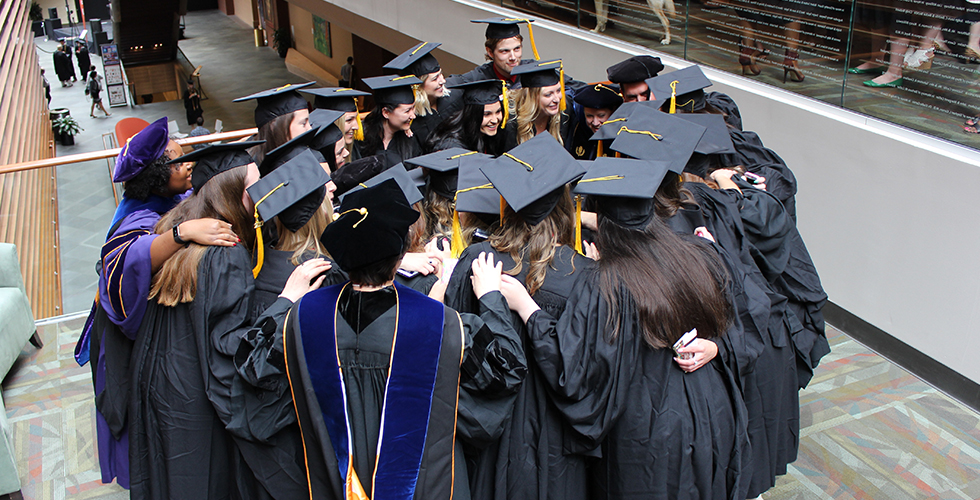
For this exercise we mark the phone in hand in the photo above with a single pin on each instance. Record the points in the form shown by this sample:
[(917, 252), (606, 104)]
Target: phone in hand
[(754, 178), (685, 341)]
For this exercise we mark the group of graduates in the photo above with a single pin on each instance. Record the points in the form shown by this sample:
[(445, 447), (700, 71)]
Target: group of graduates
[(506, 284)]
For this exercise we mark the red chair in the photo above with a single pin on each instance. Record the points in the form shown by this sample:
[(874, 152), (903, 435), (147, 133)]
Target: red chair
[(128, 127)]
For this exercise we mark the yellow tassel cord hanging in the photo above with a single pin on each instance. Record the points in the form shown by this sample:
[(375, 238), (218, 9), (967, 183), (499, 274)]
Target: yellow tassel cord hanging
[(656, 137), (598, 151), (561, 80), (503, 205), (260, 245), (673, 96), (506, 103), (530, 34), (359, 133), (456, 240), (578, 225)]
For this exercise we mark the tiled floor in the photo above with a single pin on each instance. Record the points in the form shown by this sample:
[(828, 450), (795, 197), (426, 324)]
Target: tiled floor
[(870, 430)]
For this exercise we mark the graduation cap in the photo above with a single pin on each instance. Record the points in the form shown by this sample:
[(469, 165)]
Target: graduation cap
[(483, 92), (635, 69), (276, 102), (530, 177), (542, 74), (658, 136), (215, 159), (393, 90), (599, 96), (141, 149), (500, 28), (716, 139), (416, 61), (618, 119), (287, 151), (356, 172), (683, 87), (624, 189), (335, 98), (442, 166), (404, 179), (371, 226), (293, 191), (327, 132)]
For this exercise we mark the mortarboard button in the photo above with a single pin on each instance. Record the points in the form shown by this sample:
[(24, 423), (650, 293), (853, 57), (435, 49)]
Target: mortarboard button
[(683, 87)]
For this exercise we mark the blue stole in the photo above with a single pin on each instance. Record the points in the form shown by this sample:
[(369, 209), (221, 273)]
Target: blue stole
[(417, 344)]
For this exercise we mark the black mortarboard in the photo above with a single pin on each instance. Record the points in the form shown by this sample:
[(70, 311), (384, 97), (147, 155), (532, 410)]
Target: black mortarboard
[(503, 27), (474, 192), (140, 150), (215, 159), (620, 117), (658, 136), (416, 61), (530, 176), (287, 151), (538, 74), (400, 175), (327, 132), (276, 102), (635, 69), (335, 98), (393, 90), (687, 87), (624, 189), (293, 191), (482, 92), (372, 226), (599, 96), (443, 169), (356, 172), (716, 139)]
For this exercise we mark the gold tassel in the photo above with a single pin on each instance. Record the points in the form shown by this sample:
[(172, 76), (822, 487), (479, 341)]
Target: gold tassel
[(561, 80), (530, 33), (578, 224), (598, 151), (359, 133), (456, 242), (673, 97), (260, 246), (506, 103), (503, 205)]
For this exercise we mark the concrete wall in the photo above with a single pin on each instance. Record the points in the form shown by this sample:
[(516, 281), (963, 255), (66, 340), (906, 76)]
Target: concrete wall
[(891, 216), (243, 10)]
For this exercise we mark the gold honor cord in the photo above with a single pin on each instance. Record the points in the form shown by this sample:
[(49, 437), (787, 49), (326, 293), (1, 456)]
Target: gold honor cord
[(522, 162), (506, 103), (259, 244), (363, 211), (423, 44), (578, 224), (530, 34), (656, 137)]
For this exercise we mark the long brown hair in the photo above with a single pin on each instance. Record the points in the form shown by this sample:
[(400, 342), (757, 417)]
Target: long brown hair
[(275, 134), (674, 284), (537, 243), (671, 196), (219, 198)]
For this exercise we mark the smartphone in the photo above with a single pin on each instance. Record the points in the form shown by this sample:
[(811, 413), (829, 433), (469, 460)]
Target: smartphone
[(685, 341), (754, 178)]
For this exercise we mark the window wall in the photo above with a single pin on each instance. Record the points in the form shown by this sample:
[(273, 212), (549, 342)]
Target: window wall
[(910, 62)]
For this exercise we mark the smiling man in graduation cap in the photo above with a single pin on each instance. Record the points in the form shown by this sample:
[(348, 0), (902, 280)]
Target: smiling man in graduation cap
[(387, 382), (504, 48)]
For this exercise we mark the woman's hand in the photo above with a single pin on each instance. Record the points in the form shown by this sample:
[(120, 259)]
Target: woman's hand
[(704, 233), (517, 297), (302, 279), (703, 350), (589, 220), (486, 274), (723, 176), (209, 232), (438, 291), (419, 262), (590, 250), (437, 256)]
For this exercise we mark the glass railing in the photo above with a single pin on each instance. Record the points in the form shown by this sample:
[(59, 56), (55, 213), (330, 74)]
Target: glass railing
[(911, 62)]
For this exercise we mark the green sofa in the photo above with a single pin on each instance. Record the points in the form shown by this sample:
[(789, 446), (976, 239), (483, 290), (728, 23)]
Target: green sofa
[(16, 329)]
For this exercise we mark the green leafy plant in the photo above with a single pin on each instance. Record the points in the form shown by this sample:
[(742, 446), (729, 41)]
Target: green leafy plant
[(66, 125), (35, 13), (282, 40)]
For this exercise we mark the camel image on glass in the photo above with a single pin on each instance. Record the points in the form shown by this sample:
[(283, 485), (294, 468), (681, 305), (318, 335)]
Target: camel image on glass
[(659, 7)]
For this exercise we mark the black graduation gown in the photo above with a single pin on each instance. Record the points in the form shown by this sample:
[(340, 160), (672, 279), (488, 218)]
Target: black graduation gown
[(481, 364), (276, 268), (758, 159), (394, 155), (663, 433), (182, 374), (62, 66), (419, 282), (771, 390), (531, 459), (724, 103), (422, 126), (484, 71), (84, 61)]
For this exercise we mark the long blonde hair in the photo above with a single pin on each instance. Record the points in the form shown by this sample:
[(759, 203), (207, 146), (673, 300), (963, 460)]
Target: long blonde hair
[(527, 111), (219, 198), (422, 105), (306, 240)]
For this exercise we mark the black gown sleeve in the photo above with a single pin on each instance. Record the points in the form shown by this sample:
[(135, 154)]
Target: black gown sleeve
[(767, 227)]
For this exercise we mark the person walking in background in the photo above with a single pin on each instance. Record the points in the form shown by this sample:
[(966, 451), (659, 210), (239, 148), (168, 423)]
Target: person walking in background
[(47, 87), (192, 103), (62, 66), (346, 73), (94, 91), (198, 131), (83, 59)]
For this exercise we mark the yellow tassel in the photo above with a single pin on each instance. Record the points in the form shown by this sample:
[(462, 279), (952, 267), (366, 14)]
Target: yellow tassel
[(260, 246), (503, 205), (359, 133), (506, 103), (456, 242), (673, 97), (530, 34), (598, 151), (578, 224), (561, 80)]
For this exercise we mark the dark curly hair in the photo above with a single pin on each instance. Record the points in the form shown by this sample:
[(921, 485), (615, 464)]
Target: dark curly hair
[(152, 180)]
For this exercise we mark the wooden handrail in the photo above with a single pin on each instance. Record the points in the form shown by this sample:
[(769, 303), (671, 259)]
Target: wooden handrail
[(109, 153)]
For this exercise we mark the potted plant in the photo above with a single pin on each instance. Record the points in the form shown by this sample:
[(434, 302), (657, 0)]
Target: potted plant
[(37, 21), (65, 129), (282, 40)]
